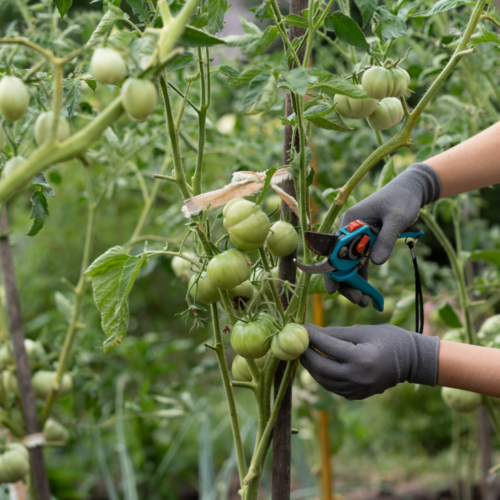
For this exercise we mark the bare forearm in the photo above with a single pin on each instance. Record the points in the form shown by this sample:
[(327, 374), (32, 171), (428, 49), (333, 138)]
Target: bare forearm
[(473, 164), (469, 367)]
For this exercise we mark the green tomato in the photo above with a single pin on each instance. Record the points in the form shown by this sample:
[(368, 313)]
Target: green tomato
[(240, 369), (139, 98), (379, 82), (14, 98), (250, 340), (34, 351), (461, 401), (55, 433), (43, 380), (107, 65), (354, 108), (272, 202), (282, 239), (247, 225), (14, 463), (182, 267), (43, 127), (491, 327), (3, 140), (259, 276), (243, 293), (290, 343), (204, 291), (388, 113), (229, 269), (9, 382), (12, 166)]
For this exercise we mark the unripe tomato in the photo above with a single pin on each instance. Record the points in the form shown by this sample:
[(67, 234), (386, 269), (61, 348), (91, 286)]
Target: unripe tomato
[(389, 112), (229, 269), (461, 401), (11, 166), (139, 98), (243, 292), (43, 380), (14, 98), (354, 108), (491, 327), (272, 202), (182, 267), (55, 433), (250, 340), (14, 463), (259, 276), (240, 368), (247, 225), (43, 128), (3, 140), (34, 351), (290, 343), (107, 65), (282, 239), (379, 82), (9, 382), (455, 335), (204, 291)]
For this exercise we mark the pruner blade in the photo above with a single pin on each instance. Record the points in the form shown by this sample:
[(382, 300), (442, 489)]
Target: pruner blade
[(321, 267), (321, 243)]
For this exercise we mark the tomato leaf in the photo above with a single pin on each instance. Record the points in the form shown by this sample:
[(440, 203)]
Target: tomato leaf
[(39, 180), (114, 258), (366, 8), (216, 11), (64, 306), (249, 74), (39, 212), (182, 61), (332, 121), (269, 175), (266, 39), (63, 6), (346, 30), (491, 256), (450, 317), (194, 37), (140, 9), (248, 27), (318, 111), (386, 25), (402, 310), (128, 276), (72, 88), (442, 6), (295, 20), (338, 85), (388, 173), (91, 83), (297, 80), (484, 35), (261, 94), (228, 71)]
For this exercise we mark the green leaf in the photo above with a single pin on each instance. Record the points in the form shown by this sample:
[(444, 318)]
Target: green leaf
[(64, 306), (39, 212), (442, 6), (332, 121), (39, 180), (63, 6), (297, 80), (248, 27), (295, 20), (450, 316), (194, 37), (181, 61), (388, 173), (249, 74), (199, 21), (114, 258), (491, 256), (228, 71), (346, 30), (367, 8), (139, 8), (269, 175), (387, 26), (91, 83), (483, 35), (318, 111), (310, 177), (402, 310), (267, 38), (130, 271), (261, 94), (72, 88), (216, 11), (338, 85), (244, 41)]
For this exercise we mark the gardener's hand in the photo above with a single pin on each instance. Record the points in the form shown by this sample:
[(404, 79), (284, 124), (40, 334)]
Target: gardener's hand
[(393, 208), (367, 360)]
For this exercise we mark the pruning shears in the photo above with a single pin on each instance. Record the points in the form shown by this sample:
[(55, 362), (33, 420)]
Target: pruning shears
[(346, 252)]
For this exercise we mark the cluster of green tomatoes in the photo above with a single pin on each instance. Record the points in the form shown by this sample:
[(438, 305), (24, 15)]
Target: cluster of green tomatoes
[(139, 99), (383, 109), (249, 229)]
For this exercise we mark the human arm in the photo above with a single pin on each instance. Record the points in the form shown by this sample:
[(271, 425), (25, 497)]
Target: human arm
[(360, 361)]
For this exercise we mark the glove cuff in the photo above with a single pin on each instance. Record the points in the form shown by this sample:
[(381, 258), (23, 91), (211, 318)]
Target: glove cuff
[(428, 179), (424, 369)]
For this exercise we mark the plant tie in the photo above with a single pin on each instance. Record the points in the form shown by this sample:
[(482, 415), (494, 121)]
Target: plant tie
[(419, 297)]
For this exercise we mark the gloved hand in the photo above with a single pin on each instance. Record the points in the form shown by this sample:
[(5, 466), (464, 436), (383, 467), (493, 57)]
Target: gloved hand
[(394, 207), (367, 360)]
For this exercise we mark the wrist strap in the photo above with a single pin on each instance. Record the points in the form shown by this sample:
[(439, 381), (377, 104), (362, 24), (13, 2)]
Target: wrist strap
[(419, 297)]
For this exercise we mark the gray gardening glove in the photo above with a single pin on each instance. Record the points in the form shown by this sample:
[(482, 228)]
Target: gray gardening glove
[(393, 207), (367, 360)]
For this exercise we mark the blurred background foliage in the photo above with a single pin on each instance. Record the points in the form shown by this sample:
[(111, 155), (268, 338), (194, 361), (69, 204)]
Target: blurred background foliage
[(148, 419)]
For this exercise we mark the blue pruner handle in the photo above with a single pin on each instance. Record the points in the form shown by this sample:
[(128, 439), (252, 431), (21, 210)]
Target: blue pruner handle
[(413, 232), (354, 280)]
